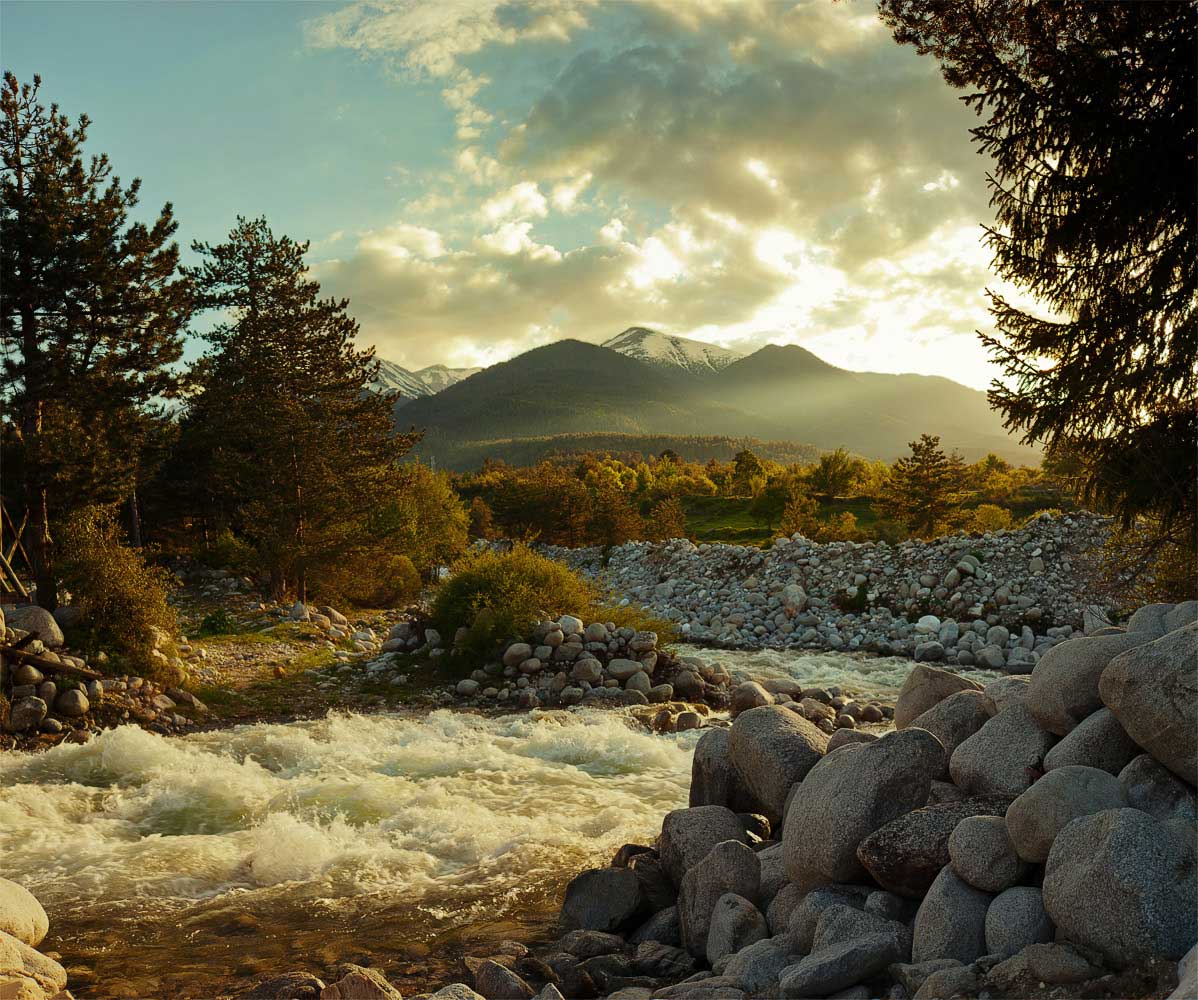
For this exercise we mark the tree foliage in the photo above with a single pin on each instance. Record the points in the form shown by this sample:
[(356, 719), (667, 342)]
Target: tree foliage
[(924, 491), (1090, 116)]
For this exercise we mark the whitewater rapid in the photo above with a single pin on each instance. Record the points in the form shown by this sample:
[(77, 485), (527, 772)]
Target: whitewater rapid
[(271, 847)]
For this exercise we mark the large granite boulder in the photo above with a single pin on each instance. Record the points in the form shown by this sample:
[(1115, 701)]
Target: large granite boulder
[(1016, 919), (805, 917), (907, 854), (851, 793), (843, 923), (981, 853), (713, 778), (729, 867), (1061, 796), (773, 748), (1064, 685), (1153, 692), (688, 835), (1100, 741), (923, 688), (21, 915), (32, 618), (955, 719), (1004, 757), (1153, 788), (604, 899), (951, 922), (1123, 884), (823, 973), (735, 924)]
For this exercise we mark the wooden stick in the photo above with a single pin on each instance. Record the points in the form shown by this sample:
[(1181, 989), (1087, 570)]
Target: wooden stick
[(16, 541), (51, 666), (6, 570)]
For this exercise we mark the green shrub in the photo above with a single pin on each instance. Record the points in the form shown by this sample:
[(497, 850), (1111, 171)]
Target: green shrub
[(121, 598), (988, 517), (226, 551), (367, 579), (218, 622), (500, 596)]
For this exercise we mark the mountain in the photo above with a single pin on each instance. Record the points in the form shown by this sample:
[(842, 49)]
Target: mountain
[(395, 378), (671, 352), (438, 377), (778, 394)]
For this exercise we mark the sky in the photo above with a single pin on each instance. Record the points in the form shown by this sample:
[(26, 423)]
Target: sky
[(481, 177)]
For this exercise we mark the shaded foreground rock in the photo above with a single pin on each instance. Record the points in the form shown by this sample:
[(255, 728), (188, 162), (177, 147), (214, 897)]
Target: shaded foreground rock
[(771, 749)]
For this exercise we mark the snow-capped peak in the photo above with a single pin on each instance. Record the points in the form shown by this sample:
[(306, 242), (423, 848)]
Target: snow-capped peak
[(667, 350), (396, 378), (438, 377)]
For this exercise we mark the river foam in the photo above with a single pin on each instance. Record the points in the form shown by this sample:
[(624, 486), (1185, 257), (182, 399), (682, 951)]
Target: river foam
[(347, 825)]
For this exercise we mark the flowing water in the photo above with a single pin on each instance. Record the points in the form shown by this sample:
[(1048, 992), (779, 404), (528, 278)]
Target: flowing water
[(190, 867)]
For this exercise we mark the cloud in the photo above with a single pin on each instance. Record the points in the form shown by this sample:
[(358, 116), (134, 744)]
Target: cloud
[(736, 171)]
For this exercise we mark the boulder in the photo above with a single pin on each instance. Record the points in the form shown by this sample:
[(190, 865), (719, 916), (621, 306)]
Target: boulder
[(623, 670), (923, 688), (806, 915), (730, 867), (823, 973), (747, 695), (31, 618), (951, 922), (954, 719), (663, 927), (850, 794), (735, 924), (773, 872), (982, 854), (1064, 686), (25, 714), (843, 737), (1099, 741), (20, 960), (688, 835), (842, 923), (1153, 692), (1004, 757), (911, 976), (1006, 691), (305, 986), (1123, 883), (772, 749), (588, 944), (1061, 796), (604, 899), (1016, 919), (713, 777), (907, 854), (498, 982), (780, 909), (359, 983), (1181, 615), (756, 967), (660, 960), (72, 703), (955, 981), (1150, 619), (21, 915), (1153, 788)]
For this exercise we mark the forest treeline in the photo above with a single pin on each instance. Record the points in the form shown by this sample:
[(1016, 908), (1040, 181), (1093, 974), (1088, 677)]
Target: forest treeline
[(267, 454)]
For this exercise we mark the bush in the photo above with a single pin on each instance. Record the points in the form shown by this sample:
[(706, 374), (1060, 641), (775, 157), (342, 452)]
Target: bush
[(635, 618), (121, 598), (988, 517), (218, 622), (890, 532), (227, 551), (501, 596), (367, 579)]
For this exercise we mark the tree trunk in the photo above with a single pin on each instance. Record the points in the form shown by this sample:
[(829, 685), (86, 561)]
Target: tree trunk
[(134, 520)]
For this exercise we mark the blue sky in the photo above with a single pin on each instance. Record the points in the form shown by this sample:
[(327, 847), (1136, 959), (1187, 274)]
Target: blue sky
[(481, 178)]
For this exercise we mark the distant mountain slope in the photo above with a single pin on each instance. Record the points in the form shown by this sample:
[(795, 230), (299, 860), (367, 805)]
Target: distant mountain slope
[(438, 377), (669, 351), (396, 378)]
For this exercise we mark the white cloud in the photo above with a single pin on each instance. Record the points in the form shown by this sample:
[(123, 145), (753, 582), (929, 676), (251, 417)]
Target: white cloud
[(520, 201)]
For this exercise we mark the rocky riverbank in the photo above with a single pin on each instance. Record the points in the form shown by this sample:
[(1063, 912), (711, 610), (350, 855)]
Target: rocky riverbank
[(26, 973), (998, 600), (1035, 837)]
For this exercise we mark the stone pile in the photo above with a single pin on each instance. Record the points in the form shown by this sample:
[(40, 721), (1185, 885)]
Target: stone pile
[(25, 973), (567, 662), (997, 600), (1037, 834)]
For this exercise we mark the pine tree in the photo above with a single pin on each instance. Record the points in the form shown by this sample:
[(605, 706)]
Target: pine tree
[(91, 313), (667, 519), (1090, 113), (296, 451), (924, 490)]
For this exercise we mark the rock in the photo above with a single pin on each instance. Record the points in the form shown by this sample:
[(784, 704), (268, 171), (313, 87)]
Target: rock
[(26, 714), (923, 688), (805, 918), (1099, 741), (570, 625), (954, 719), (1187, 975), (730, 867), (1064, 686), (467, 688), (757, 966), (957, 981), (663, 961), (31, 618), (907, 854), (982, 854), (747, 695), (294, 986), (1061, 796), (1004, 757), (1005, 691), (931, 651), (735, 924), (20, 960), (1124, 884), (913, 975), (688, 835), (456, 991), (850, 794), (951, 922), (713, 778), (623, 670), (782, 906), (588, 944), (1057, 964), (824, 972), (604, 899), (663, 927), (773, 872), (1016, 919), (299, 612), (596, 632), (359, 983), (1153, 692), (1152, 788), (843, 737), (842, 923), (771, 749), (497, 982), (21, 915), (586, 669)]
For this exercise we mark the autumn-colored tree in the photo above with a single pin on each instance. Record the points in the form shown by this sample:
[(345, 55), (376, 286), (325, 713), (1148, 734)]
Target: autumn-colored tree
[(482, 521), (798, 515), (667, 519), (835, 473), (925, 488), (614, 520)]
